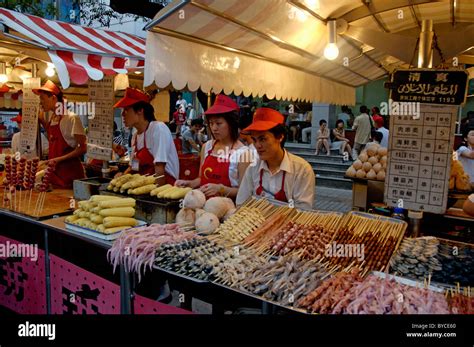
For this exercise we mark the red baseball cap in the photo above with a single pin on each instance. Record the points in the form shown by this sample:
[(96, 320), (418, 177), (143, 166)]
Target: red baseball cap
[(17, 118), (132, 96), (223, 104), (265, 119), (49, 86), (378, 120)]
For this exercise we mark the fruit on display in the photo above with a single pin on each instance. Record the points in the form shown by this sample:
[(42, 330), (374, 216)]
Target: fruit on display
[(105, 214), (194, 199), (371, 164), (186, 216), (459, 179), (206, 215), (207, 223)]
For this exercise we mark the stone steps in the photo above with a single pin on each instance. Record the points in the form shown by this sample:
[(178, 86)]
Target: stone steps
[(329, 170)]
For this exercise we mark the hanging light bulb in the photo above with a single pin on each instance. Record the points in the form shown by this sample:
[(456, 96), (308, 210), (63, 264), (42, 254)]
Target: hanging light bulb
[(331, 51), (3, 73), (50, 71)]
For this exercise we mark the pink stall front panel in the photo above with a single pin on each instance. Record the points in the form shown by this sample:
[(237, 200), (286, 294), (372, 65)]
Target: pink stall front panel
[(78, 291), (22, 277)]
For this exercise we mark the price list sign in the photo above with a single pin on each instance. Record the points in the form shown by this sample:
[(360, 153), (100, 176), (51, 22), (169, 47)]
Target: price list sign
[(29, 110), (419, 161), (101, 123)]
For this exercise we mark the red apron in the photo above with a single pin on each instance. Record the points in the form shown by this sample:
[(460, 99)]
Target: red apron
[(213, 171), (280, 195), (147, 161), (68, 170)]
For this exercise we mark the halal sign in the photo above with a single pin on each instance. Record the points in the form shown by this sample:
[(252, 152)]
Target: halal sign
[(445, 87)]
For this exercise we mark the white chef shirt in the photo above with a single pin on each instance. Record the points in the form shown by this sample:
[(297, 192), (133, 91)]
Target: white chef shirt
[(70, 125), (299, 181), (159, 142), (385, 133)]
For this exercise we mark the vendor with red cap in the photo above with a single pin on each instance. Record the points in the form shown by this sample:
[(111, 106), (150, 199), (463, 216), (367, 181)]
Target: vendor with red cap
[(277, 174), (224, 159), (66, 136), (153, 149)]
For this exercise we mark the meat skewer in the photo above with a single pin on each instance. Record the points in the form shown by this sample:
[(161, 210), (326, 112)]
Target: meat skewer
[(20, 179), (7, 181)]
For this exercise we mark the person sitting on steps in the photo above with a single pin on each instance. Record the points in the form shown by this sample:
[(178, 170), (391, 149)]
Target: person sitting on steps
[(323, 138), (339, 138)]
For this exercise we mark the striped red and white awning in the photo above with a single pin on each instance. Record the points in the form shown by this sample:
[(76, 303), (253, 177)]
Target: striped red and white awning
[(78, 52)]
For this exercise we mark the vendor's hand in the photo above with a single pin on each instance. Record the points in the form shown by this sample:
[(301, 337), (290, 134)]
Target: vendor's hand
[(52, 162), (211, 189), (181, 183), (118, 174)]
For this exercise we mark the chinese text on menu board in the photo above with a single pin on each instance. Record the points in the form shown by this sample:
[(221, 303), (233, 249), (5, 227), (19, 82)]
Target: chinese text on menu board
[(101, 125), (445, 87), (420, 152), (30, 108)]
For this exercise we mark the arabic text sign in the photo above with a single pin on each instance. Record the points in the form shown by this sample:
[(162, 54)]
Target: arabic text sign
[(429, 86)]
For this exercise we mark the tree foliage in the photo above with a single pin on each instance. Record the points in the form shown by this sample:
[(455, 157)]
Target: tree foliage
[(92, 12)]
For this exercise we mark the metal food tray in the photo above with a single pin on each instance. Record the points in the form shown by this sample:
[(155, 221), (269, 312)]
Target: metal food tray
[(409, 282), (98, 234), (260, 298), (185, 277)]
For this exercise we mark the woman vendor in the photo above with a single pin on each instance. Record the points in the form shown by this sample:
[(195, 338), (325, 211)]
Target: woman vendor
[(67, 140), (153, 149), (224, 159), (277, 174)]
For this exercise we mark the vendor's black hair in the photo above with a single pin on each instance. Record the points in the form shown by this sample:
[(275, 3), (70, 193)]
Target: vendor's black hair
[(377, 136), (322, 121), (278, 131), (148, 110), (197, 121), (339, 121), (232, 119), (364, 109)]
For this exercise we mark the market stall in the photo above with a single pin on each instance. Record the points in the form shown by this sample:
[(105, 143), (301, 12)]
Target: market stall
[(265, 254)]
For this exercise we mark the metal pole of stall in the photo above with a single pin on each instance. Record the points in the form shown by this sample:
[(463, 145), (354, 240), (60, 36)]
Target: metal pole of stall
[(125, 292), (47, 272)]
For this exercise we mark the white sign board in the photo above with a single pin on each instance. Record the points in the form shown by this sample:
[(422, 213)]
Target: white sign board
[(30, 108), (101, 125), (419, 160)]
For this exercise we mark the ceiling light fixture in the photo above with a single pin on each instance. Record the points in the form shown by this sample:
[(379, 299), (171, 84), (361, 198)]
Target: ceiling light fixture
[(331, 51), (50, 71)]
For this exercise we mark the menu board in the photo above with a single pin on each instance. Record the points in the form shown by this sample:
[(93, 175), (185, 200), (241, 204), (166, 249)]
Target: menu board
[(101, 123), (419, 160), (29, 110)]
